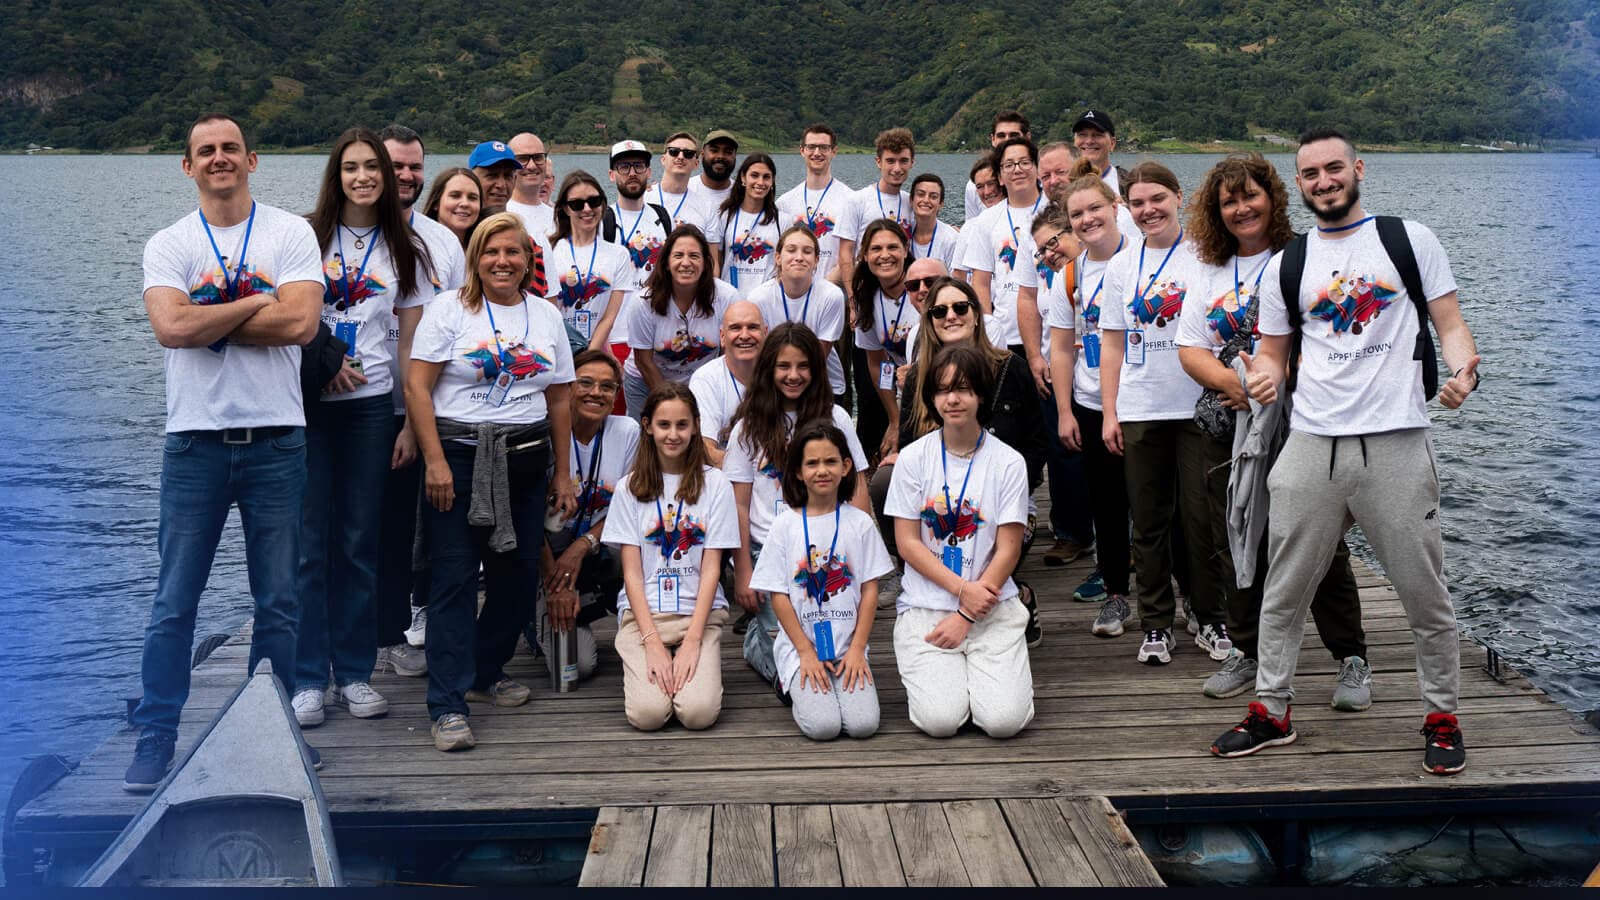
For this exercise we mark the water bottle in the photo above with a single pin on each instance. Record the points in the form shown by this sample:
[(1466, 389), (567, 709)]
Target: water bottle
[(564, 659)]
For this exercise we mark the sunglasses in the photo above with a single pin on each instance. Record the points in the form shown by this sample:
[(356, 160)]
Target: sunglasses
[(577, 204), (684, 152), (960, 308), (526, 158), (1047, 246), (915, 284)]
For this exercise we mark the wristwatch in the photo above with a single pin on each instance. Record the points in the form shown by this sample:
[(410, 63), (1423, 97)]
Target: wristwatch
[(593, 543)]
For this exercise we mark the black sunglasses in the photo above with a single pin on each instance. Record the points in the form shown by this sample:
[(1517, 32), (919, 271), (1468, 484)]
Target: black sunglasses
[(576, 204), (960, 308), (685, 152), (915, 284)]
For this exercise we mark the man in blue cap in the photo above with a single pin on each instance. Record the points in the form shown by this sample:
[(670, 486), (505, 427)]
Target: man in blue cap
[(496, 166)]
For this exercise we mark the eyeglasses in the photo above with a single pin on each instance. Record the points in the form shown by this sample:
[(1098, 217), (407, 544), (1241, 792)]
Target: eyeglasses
[(915, 284), (589, 386), (1016, 165), (815, 148), (684, 152), (1047, 246), (960, 308), (627, 167), (527, 158), (577, 204)]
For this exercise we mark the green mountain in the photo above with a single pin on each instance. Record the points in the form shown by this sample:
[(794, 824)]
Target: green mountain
[(98, 75)]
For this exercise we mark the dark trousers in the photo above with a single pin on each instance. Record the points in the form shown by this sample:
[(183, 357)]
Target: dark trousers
[(1165, 466), (1108, 498), (872, 420), (398, 585), (1071, 510), (468, 648)]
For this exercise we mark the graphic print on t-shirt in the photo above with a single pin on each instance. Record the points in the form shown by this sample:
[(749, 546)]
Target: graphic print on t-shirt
[(679, 532), (643, 250), (1047, 275), (820, 223), (936, 515), (823, 579), (1227, 314), (685, 348), (750, 248), (1160, 303), (578, 289), (516, 358), (1350, 303), (213, 288), (1008, 254), (344, 289)]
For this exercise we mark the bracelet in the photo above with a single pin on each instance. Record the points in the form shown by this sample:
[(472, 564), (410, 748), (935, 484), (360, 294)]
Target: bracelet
[(647, 636), (593, 543), (963, 614), (959, 591)]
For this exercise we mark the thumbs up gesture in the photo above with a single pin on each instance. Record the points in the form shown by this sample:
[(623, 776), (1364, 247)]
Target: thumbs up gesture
[(1455, 391), (1257, 381)]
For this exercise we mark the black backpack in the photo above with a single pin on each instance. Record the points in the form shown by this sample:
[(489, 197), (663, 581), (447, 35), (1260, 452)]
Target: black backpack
[(608, 221), (1396, 243)]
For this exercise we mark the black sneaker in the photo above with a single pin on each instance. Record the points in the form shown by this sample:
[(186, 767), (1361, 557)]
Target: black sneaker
[(1258, 731), (743, 625), (783, 695), (151, 760), (316, 758), (1034, 633), (1444, 753)]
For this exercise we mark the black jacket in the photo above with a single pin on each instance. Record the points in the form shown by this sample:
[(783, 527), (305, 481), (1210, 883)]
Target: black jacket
[(1013, 414)]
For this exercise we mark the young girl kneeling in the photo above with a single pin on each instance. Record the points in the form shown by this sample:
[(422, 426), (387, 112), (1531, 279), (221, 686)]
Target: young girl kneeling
[(825, 599), (959, 497), (672, 523)]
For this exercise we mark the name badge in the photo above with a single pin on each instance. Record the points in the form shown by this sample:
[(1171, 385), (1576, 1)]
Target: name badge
[(886, 376), (667, 592), (822, 636), (1135, 347), (583, 321), (778, 505), (1091, 350), (501, 389), (346, 332), (952, 559)]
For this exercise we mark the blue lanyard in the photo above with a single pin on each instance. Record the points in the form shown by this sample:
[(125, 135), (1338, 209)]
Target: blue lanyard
[(883, 315), (954, 512), (662, 196), (737, 394), (1345, 227), (898, 201), (1138, 301), (817, 579), (912, 250), (728, 242), (593, 249), (669, 536), (344, 269), (231, 285), (805, 197), (626, 237), (1084, 261), (1237, 283), (804, 310), (499, 352), (1014, 235), (588, 483)]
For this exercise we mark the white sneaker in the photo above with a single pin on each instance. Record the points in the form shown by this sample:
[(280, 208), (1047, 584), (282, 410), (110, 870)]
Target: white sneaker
[(307, 705), (417, 634), (362, 701), (1157, 647)]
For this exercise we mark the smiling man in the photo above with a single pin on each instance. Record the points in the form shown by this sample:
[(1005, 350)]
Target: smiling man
[(719, 156), (1008, 124), (1000, 250), (678, 162), (821, 202), (719, 385), (1096, 137), (527, 186), (496, 167)]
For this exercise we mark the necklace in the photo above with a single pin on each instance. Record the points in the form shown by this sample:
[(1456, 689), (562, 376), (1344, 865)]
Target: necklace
[(361, 239)]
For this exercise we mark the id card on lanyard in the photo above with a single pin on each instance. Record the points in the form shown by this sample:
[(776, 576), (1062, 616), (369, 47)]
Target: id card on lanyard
[(668, 584), (503, 380), (817, 586), (951, 555)]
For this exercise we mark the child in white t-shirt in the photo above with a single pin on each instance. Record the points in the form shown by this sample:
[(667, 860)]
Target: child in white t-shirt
[(671, 523), (825, 599)]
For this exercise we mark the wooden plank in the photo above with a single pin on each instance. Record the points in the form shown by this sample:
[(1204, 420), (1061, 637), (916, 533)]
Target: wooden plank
[(680, 847), (927, 848), (988, 851), (741, 845), (1048, 844), (1110, 846), (618, 845), (807, 854), (868, 856)]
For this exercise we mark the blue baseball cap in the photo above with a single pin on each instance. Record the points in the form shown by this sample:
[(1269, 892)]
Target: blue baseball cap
[(490, 153)]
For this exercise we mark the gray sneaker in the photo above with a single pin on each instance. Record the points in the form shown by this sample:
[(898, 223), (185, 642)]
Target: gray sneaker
[(1237, 675), (1353, 691), (1113, 613), (1191, 624), (888, 590), (407, 660)]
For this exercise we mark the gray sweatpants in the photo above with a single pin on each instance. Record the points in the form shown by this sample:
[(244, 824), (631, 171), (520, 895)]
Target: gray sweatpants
[(1386, 482), (822, 717)]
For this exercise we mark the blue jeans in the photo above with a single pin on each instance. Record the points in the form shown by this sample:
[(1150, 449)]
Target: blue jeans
[(634, 393), (758, 638), (201, 477), (348, 444), (467, 648), (1070, 509)]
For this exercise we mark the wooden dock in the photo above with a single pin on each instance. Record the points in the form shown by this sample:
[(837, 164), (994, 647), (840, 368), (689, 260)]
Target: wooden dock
[(1105, 726)]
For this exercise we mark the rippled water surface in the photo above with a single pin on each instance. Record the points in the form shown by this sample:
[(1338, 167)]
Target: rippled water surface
[(83, 412)]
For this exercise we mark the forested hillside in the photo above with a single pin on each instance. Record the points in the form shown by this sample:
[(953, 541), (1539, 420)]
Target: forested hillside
[(100, 75)]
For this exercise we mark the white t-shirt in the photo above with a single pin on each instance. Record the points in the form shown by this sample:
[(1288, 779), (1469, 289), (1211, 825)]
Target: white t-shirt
[(672, 536), (1213, 312), (527, 342), (709, 197), (685, 209), (1159, 390), (230, 384), (1085, 324), (360, 296), (893, 329), (616, 442), (788, 562), (1359, 327), (449, 273), (766, 477), (749, 247), (639, 233), (825, 211), (538, 219), (996, 494), (1000, 242), (943, 246), (680, 342), (821, 309), (583, 278), (718, 393), (870, 203), (973, 205)]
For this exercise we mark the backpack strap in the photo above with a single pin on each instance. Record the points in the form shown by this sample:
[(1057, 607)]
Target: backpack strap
[(1396, 243), (663, 217), (1291, 267), (608, 225)]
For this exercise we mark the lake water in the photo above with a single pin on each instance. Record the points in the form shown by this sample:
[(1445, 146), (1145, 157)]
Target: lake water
[(81, 427)]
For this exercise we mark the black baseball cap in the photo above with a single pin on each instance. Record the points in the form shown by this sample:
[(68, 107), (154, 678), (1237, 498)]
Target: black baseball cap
[(1094, 118)]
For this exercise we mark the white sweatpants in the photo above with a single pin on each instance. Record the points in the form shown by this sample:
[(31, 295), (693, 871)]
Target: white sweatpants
[(987, 678)]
